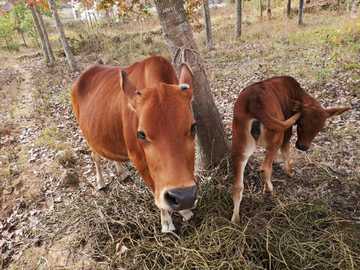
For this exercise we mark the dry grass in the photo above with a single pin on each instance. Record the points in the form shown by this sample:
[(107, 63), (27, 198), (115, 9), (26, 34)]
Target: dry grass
[(289, 232)]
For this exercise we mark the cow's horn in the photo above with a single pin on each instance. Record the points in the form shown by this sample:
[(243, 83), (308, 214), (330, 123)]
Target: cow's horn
[(138, 92), (184, 86)]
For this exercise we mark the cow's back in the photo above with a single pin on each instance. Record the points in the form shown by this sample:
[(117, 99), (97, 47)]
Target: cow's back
[(267, 100), (99, 103)]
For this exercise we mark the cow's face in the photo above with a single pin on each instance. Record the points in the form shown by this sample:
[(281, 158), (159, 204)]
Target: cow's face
[(312, 121), (166, 134)]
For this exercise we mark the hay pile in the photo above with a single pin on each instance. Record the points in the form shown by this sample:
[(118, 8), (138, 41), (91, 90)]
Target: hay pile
[(292, 231)]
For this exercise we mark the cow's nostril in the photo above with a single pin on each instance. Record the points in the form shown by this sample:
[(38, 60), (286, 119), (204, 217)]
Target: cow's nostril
[(171, 199), (180, 199)]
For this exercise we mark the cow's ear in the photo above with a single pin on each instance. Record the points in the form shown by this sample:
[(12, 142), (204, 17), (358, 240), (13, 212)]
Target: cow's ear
[(186, 79), (128, 86), (336, 111), (296, 105)]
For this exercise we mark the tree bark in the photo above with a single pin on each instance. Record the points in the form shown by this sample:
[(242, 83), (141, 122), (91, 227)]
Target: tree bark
[(288, 8), (212, 144), (22, 35), (260, 9), (40, 33), (60, 29), (209, 42), (268, 10), (238, 19), (301, 8), (46, 38)]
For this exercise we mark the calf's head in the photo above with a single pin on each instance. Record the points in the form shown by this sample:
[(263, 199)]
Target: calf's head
[(165, 138), (312, 120)]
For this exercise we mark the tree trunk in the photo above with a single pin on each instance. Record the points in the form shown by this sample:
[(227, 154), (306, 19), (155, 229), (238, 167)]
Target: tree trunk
[(59, 27), (238, 19), (46, 38), (260, 9), (209, 42), (212, 144), (7, 45), (301, 8), (268, 10), (288, 8), (40, 33), (22, 35)]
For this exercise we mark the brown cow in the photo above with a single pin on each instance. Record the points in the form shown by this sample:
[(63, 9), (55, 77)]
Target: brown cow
[(144, 116), (263, 116)]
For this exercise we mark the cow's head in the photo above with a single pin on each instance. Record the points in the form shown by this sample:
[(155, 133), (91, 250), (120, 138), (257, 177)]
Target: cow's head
[(165, 137), (312, 120)]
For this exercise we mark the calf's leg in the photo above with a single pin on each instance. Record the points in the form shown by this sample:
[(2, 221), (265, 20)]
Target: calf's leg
[(285, 151), (240, 156), (266, 167)]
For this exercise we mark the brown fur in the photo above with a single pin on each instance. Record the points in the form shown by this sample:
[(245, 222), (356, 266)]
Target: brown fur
[(272, 102), (111, 112)]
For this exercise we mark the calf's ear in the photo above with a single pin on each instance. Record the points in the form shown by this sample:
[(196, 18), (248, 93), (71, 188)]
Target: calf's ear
[(332, 112), (295, 105), (128, 86), (186, 80)]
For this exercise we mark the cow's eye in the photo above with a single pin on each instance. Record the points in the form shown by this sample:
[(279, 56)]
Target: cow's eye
[(299, 124), (141, 135), (193, 127)]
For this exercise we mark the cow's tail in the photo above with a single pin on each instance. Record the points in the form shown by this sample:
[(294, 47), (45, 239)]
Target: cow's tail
[(272, 123)]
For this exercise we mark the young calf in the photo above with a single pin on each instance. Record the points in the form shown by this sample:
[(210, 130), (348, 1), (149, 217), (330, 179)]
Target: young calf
[(263, 116)]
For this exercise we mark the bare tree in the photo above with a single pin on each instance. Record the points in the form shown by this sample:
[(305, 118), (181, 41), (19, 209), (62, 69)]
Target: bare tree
[(268, 13), (60, 29), (238, 19), (46, 38), (40, 33), (211, 142), (301, 8), (288, 8), (207, 24), (260, 9)]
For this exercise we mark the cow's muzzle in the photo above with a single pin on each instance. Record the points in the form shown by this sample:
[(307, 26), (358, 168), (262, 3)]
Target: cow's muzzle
[(302, 147), (182, 198)]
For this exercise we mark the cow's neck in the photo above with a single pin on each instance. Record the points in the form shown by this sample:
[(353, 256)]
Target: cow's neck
[(300, 95)]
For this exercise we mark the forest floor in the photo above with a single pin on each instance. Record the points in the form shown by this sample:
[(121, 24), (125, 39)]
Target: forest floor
[(50, 220)]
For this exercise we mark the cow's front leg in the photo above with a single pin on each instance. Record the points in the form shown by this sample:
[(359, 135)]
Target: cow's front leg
[(122, 172), (285, 153), (166, 222), (99, 178), (186, 214), (266, 167)]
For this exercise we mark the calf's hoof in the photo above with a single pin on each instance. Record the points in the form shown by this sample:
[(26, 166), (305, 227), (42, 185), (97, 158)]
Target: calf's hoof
[(268, 195), (235, 219)]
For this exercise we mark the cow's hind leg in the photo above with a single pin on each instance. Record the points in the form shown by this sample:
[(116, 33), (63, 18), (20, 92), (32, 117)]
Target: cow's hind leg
[(122, 172), (99, 178), (266, 167), (166, 222), (240, 159)]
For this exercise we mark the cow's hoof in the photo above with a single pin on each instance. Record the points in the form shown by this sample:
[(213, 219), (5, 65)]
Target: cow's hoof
[(235, 220), (125, 177), (168, 228), (268, 195), (292, 174)]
